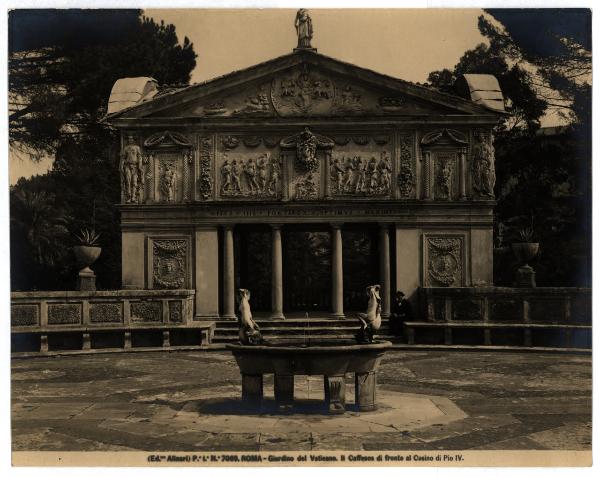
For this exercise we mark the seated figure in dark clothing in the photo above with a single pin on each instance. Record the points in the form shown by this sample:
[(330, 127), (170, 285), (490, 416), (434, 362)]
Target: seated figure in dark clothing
[(400, 313)]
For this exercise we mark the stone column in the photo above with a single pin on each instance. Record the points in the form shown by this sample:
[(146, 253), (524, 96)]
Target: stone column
[(337, 272), (276, 273), (384, 270), (462, 174), (228, 274)]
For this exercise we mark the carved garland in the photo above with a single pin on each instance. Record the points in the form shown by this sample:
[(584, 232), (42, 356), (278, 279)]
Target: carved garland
[(205, 183), (406, 176)]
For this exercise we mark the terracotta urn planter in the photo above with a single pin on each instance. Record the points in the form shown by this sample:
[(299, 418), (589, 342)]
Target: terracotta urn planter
[(86, 255)]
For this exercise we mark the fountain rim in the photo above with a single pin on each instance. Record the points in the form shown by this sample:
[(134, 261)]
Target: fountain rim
[(313, 348)]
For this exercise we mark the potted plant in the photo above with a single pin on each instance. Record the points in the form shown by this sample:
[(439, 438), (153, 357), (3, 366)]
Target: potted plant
[(525, 249), (86, 253)]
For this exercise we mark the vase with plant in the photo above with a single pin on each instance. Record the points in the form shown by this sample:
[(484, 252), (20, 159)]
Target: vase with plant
[(525, 249), (86, 252)]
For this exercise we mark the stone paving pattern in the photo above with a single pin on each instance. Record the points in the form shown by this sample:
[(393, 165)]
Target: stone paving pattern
[(189, 401)]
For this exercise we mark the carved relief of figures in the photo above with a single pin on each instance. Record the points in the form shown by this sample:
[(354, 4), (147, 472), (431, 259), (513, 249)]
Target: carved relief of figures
[(251, 178), (444, 266), (349, 100), (484, 174), (132, 174), (444, 178), (167, 184), (355, 175), (306, 188), (256, 104)]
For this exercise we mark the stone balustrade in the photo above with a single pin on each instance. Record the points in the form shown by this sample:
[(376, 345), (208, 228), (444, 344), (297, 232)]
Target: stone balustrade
[(86, 312), (555, 316)]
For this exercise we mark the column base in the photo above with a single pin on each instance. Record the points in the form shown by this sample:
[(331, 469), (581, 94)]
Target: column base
[(338, 316), (206, 317), (277, 316), (227, 317)]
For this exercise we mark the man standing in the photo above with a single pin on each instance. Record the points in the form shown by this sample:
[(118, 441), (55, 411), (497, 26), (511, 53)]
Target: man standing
[(401, 312)]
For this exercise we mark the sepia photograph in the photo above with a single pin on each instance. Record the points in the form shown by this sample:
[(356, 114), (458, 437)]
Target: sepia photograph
[(300, 237)]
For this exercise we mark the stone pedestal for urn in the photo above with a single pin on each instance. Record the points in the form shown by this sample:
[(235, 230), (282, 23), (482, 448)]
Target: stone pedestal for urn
[(86, 256), (525, 274)]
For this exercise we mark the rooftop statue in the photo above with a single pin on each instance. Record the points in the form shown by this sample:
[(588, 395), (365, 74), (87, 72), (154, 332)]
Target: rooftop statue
[(304, 28)]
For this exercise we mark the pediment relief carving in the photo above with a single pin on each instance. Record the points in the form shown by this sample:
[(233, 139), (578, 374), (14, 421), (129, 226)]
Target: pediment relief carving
[(444, 136), (167, 139)]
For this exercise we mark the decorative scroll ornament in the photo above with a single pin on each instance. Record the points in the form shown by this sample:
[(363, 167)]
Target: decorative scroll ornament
[(391, 104), (483, 169), (271, 141), (381, 140), (169, 257), (361, 140), (205, 183), (445, 260), (167, 139), (406, 176), (306, 144)]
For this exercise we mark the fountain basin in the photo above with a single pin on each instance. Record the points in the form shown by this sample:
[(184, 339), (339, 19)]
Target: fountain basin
[(331, 359)]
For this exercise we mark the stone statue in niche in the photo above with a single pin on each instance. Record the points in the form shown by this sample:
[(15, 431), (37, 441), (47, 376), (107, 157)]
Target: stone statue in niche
[(355, 175), (131, 169), (304, 29), (484, 175), (168, 182), (273, 185), (445, 180)]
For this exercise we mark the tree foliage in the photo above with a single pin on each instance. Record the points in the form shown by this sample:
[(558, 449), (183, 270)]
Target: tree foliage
[(59, 83), (542, 60)]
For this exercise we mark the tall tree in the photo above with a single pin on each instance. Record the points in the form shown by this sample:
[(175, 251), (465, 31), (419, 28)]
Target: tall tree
[(62, 66), (542, 59)]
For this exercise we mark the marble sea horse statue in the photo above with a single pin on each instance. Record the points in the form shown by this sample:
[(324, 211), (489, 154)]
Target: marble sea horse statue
[(371, 320), (249, 331)]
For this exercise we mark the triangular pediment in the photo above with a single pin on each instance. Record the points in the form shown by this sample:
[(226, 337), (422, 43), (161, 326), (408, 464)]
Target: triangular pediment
[(302, 84)]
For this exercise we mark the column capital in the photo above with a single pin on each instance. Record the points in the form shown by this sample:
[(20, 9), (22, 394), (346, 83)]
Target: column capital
[(336, 225), (276, 226), (228, 226), (384, 226)]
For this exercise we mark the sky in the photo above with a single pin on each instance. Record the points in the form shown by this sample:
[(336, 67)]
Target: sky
[(406, 43)]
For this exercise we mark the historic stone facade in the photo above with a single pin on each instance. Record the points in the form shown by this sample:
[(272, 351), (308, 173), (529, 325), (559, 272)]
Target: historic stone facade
[(304, 139)]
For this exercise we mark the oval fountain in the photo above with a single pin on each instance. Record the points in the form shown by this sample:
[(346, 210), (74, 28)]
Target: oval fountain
[(332, 359)]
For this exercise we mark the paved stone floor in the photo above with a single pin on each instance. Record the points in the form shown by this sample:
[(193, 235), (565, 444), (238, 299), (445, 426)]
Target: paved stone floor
[(189, 401)]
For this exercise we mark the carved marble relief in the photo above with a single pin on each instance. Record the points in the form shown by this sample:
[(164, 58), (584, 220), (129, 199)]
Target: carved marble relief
[(169, 263), (361, 174), (302, 93), (168, 175), (106, 312), (406, 176), (257, 176), (146, 311), (391, 104), (205, 180), (257, 103), (444, 261), (64, 313), (483, 171), (24, 315), (175, 312)]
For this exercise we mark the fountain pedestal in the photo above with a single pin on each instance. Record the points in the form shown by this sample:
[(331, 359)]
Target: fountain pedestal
[(331, 360)]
